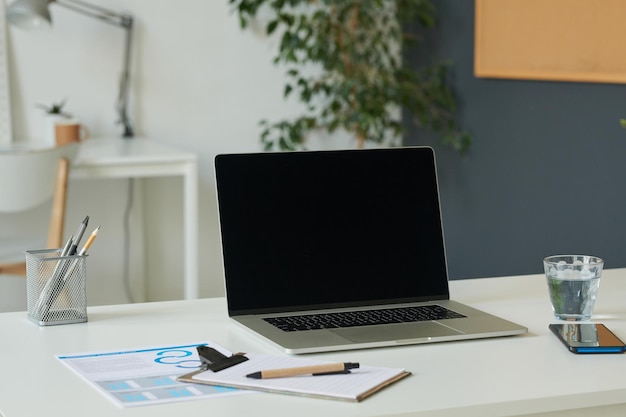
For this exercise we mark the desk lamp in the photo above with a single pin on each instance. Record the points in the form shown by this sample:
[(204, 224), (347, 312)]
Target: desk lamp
[(34, 14)]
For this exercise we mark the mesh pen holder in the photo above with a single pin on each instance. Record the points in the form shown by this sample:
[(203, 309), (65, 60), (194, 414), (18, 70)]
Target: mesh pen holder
[(56, 287)]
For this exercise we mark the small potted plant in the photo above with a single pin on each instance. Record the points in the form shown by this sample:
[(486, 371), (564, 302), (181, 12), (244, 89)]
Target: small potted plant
[(53, 114)]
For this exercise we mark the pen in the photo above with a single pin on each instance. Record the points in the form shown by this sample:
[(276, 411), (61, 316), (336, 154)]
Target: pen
[(50, 290), (327, 369), (79, 235), (67, 247), (70, 270)]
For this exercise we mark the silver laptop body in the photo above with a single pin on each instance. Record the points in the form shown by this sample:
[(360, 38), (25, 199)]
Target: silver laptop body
[(309, 236)]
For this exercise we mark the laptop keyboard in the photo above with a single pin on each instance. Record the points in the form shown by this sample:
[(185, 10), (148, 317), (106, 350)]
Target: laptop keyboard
[(363, 318)]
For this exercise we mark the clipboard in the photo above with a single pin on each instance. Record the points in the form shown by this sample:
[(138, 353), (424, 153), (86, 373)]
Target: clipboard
[(356, 386)]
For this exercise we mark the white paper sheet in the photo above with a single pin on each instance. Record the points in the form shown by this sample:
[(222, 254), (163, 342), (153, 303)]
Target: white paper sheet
[(351, 387), (145, 376)]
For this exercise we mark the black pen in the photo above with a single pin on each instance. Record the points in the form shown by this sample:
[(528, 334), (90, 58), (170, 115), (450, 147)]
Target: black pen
[(78, 236), (326, 369)]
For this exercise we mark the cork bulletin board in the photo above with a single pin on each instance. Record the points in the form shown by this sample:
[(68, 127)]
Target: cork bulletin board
[(558, 40)]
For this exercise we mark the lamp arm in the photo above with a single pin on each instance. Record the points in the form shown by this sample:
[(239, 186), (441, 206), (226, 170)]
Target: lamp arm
[(122, 100), (97, 12), (124, 21)]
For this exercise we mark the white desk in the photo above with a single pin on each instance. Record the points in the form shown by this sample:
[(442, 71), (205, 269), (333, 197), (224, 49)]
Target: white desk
[(517, 375), (142, 158)]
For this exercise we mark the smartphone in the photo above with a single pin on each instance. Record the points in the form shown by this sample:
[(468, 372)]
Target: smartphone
[(588, 338)]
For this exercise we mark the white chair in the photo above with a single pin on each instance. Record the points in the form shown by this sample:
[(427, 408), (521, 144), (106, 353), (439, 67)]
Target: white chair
[(30, 178)]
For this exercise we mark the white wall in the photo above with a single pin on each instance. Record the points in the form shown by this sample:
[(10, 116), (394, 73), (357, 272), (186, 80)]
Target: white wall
[(198, 82)]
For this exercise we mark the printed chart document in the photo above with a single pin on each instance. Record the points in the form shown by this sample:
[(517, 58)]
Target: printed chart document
[(354, 386), (145, 376)]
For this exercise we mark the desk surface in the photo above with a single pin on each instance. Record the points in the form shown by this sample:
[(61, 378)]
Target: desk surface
[(518, 375), (105, 151), (137, 157)]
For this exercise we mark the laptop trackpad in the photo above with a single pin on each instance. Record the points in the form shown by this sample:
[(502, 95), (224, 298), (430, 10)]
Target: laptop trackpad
[(402, 331)]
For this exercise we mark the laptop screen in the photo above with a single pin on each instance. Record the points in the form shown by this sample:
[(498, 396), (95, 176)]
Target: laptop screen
[(307, 230)]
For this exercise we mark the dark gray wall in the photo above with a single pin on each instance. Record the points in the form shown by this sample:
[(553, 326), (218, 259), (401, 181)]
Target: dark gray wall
[(545, 174)]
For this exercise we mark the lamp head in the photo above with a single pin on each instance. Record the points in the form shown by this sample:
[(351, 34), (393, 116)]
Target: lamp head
[(30, 14)]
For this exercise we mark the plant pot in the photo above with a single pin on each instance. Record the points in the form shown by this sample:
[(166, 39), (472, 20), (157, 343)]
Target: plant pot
[(48, 133)]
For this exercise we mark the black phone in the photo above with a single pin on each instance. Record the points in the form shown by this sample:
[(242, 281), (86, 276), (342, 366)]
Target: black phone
[(588, 338)]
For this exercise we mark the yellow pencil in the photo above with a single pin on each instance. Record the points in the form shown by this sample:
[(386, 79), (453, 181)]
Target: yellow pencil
[(89, 241)]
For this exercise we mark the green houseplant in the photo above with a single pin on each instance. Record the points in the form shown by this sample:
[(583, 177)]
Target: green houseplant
[(53, 113), (343, 61), (55, 109)]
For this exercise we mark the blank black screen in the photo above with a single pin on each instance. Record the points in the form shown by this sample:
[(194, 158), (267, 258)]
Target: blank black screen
[(341, 228)]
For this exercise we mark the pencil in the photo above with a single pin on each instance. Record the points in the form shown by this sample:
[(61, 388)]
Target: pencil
[(92, 237), (325, 369)]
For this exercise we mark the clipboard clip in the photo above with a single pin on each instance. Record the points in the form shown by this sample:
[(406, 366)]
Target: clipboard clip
[(216, 361)]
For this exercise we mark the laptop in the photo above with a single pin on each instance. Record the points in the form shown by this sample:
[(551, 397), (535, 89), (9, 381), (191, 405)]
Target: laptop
[(337, 250)]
